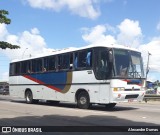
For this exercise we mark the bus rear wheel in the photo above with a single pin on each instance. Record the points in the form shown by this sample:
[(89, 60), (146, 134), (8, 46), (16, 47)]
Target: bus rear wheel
[(29, 98), (83, 101), (110, 105)]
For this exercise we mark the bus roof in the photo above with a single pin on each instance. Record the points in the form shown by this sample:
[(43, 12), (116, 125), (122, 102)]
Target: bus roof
[(72, 49)]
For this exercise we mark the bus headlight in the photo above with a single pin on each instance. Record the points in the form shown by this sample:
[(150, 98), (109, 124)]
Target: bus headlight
[(118, 89), (143, 89)]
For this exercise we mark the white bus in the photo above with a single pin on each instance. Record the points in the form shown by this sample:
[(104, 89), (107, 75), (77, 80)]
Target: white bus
[(89, 75)]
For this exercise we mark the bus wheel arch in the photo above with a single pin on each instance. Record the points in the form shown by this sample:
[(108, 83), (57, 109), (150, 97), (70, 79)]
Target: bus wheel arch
[(82, 99), (29, 97)]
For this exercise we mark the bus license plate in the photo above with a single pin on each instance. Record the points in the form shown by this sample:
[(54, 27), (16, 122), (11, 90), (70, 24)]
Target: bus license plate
[(130, 100)]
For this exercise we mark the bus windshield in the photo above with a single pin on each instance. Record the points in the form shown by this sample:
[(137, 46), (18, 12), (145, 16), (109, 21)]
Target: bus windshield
[(127, 64)]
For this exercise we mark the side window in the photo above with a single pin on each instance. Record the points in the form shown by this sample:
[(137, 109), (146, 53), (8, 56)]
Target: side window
[(101, 63), (17, 68), (37, 65), (71, 61), (33, 66), (51, 63), (29, 66), (83, 59), (75, 63), (45, 64), (12, 69), (25, 67), (64, 61), (89, 59)]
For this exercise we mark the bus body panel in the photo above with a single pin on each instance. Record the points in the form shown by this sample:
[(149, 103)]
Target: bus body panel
[(97, 90)]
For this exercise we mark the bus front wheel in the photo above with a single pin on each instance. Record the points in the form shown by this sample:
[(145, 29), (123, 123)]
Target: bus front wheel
[(83, 101)]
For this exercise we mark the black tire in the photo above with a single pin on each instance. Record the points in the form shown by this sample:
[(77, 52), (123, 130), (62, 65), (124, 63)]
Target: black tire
[(53, 102), (29, 97), (110, 105), (83, 101), (35, 101)]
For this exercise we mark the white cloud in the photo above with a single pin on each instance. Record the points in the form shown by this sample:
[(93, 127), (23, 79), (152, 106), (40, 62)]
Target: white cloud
[(3, 31), (130, 33), (97, 34), (152, 47), (35, 31), (83, 8), (28, 39), (158, 26)]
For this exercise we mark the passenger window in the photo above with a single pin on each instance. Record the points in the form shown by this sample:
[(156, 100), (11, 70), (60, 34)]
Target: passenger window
[(33, 66), (17, 68), (45, 64), (88, 59), (83, 59), (12, 69), (75, 61), (63, 61), (51, 63), (37, 65), (25, 67), (71, 61)]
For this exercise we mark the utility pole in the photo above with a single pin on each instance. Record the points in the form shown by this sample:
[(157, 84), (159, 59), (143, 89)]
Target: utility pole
[(24, 52), (147, 69)]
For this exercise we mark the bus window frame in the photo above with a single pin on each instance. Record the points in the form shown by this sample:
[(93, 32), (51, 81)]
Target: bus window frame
[(76, 54), (63, 56), (110, 64), (28, 67)]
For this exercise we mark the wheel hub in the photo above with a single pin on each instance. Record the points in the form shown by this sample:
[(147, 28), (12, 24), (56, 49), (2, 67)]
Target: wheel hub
[(83, 100)]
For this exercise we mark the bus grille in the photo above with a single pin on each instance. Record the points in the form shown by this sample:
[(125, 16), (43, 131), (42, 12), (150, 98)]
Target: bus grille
[(131, 96), (132, 89)]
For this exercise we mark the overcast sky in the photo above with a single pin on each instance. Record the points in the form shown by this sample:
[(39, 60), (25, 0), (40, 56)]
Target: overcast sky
[(45, 25)]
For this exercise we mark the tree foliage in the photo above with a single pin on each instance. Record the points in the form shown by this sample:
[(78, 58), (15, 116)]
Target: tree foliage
[(5, 20), (5, 45)]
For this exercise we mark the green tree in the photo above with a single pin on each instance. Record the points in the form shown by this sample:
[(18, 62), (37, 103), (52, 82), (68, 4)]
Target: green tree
[(5, 20)]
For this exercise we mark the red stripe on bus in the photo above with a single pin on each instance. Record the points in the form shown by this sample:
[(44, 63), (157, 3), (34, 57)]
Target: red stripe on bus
[(40, 82), (133, 83)]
